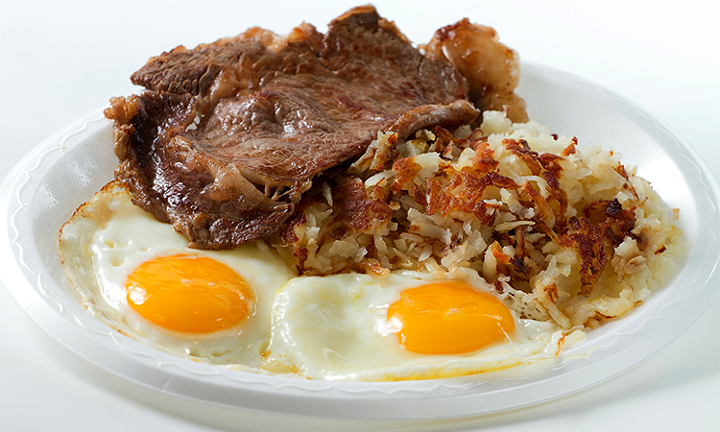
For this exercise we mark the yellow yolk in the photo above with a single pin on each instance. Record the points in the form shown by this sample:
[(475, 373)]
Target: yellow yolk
[(449, 317), (190, 294)]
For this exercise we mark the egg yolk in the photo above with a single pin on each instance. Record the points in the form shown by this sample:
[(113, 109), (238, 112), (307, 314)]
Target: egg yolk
[(190, 294), (449, 317)]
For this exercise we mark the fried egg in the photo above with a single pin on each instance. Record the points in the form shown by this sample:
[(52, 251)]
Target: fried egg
[(408, 325), (137, 275)]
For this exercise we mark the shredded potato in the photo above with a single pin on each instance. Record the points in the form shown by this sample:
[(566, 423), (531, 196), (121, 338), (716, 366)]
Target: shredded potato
[(564, 234)]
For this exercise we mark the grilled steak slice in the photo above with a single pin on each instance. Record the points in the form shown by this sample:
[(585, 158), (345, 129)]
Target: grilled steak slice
[(210, 202), (229, 135)]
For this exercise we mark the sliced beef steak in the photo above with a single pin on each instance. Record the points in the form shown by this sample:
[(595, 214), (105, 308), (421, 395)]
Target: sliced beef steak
[(229, 135)]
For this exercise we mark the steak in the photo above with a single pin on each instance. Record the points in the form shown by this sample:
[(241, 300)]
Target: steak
[(229, 135)]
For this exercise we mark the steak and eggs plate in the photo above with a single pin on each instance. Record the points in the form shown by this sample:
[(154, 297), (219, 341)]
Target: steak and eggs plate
[(347, 206)]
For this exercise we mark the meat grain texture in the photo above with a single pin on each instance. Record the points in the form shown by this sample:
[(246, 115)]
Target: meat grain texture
[(230, 135)]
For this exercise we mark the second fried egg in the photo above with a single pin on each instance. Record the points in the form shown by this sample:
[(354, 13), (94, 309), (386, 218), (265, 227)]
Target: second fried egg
[(408, 325)]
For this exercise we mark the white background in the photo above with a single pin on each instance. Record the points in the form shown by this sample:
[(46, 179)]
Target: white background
[(60, 60)]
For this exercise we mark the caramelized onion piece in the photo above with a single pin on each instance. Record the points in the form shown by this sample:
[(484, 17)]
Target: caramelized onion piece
[(491, 69)]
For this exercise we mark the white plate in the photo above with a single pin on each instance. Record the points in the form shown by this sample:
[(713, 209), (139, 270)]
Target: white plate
[(43, 190)]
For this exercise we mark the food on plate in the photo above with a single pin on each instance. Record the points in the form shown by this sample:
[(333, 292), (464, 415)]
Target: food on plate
[(348, 207)]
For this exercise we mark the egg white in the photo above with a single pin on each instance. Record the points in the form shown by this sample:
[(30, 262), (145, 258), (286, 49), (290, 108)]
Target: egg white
[(336, 328), (108, 237)]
